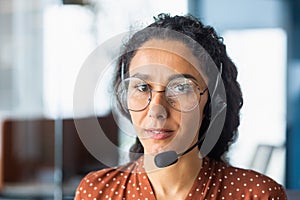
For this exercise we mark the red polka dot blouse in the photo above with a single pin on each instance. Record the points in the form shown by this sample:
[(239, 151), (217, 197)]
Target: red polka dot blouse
[(216, 180)]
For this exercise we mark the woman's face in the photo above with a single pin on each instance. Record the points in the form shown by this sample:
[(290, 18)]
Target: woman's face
[(159, 126)]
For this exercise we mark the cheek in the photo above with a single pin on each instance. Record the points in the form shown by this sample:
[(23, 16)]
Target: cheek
[(137, 119), (191, 122), (188, 124)]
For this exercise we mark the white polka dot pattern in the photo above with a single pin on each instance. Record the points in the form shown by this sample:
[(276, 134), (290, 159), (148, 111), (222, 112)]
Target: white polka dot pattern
[(216, 180)]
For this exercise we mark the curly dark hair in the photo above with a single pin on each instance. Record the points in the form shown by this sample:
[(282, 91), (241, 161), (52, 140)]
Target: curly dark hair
[(208, 39)]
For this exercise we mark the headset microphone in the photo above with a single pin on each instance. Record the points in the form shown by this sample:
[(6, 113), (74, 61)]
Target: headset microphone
[(168, 158)]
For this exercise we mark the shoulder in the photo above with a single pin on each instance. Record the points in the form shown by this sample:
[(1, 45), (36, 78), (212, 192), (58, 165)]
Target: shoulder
[(246, 183), (105, 175), (98, 182), (106, 182)]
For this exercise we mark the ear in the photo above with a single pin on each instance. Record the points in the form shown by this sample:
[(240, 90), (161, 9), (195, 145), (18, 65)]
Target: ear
[(206, 118), (207, 110)]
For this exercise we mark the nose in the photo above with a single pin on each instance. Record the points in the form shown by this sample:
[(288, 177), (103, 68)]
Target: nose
[(157, 106)]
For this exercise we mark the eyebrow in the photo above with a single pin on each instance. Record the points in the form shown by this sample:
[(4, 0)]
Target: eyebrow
[(174, 76), (146, 77), (141, 76)]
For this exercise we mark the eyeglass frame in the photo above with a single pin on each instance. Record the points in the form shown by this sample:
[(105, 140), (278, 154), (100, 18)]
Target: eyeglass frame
[(160, 91)]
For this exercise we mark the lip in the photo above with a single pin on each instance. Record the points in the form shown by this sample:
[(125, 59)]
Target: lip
[(158, 133)]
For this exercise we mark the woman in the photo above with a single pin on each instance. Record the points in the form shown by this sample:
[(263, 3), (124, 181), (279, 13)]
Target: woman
[(178, 87)]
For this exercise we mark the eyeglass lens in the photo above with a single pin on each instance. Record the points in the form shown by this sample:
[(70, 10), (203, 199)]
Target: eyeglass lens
[(182, 94)]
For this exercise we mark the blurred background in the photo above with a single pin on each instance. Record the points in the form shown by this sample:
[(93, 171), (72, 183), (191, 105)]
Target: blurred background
[(44, 43)]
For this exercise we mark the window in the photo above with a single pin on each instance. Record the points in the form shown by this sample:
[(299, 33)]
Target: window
[(72, 32)]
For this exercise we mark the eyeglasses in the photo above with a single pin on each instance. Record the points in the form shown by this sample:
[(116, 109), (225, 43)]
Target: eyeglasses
[(182, 94)]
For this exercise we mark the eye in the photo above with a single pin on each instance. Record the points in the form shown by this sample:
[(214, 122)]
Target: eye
[(179, 87), (182, 88), (142, 87)]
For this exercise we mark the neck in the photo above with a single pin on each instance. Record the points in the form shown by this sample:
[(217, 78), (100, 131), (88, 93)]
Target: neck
[(180, 175)]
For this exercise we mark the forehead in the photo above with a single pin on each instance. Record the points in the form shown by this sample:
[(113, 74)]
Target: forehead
[(159, 59)]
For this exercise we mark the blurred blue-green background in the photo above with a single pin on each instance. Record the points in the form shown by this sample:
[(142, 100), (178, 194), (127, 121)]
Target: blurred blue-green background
[(44, 43)]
